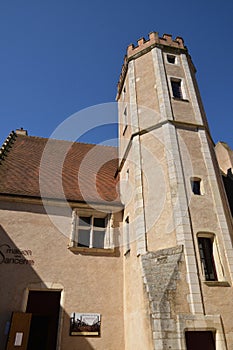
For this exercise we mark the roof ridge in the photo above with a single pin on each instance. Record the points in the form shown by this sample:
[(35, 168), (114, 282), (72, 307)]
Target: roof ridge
[(68, 141), (7, 145)]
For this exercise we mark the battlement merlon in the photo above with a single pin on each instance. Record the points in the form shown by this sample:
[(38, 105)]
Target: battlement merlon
[(146, 45)]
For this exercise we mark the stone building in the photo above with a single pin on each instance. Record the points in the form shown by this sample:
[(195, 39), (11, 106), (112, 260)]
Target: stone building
[(129, 250)]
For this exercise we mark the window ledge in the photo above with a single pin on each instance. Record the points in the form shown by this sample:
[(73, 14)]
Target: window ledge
[(180, 99), (91, 250), (217, 283)]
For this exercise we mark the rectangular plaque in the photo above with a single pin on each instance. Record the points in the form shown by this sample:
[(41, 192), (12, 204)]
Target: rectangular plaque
[(84, 324), (18, 339)]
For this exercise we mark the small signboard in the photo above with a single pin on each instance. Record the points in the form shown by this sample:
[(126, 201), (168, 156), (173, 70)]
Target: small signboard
[(84, 324), (18, 339)]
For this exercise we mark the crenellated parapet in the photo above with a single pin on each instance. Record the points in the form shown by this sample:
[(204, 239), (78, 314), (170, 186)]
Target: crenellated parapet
[(7, 145), (155, 39), (144, 46)]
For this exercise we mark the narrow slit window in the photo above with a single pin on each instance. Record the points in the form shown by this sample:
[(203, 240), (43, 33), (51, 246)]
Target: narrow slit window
[(127, 236), (205, 245), (125, 117), (176, 89)]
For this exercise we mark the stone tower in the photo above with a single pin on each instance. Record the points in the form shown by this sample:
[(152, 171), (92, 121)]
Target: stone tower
[(178, 257)]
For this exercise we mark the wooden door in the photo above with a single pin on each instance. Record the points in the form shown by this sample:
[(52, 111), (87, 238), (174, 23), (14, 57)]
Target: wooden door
[(19, 331), (44, 307)]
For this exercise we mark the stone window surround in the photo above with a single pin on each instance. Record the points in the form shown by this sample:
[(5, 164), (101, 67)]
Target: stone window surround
[(183, 88), (177, 58), (221, 279), (201, 323), (199, 179), (171, 56)]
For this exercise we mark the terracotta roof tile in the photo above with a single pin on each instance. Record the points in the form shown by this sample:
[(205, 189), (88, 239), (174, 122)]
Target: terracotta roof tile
[(35, 167)]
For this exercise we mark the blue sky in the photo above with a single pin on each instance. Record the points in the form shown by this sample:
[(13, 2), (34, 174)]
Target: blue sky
[(59, 57)]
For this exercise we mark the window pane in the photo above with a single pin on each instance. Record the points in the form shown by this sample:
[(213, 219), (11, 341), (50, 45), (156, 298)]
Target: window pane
[(99, 222), (207, 259), (83, 238), (84, 221), (98, 239)]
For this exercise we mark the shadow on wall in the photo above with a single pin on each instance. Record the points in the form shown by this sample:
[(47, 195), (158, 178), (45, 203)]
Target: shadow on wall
[(228, 183), (16, 274)]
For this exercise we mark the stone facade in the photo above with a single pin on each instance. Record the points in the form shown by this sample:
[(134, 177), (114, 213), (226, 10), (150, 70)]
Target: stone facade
[(163, 274), (168, 143)]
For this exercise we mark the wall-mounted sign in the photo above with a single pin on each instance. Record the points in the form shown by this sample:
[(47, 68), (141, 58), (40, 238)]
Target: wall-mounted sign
[(11, 255), (84, 324), (18, 339)]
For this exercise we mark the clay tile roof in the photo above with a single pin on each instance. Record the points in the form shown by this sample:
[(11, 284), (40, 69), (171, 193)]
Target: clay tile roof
[(40, 167)]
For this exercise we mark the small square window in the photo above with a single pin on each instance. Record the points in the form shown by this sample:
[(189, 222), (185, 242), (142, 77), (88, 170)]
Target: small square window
[(171, 59)]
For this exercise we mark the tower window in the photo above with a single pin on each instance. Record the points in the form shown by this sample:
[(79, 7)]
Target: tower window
[(126, 236), (176, 88), (196, 185), (205, 245), (171, 59), (125, 119)]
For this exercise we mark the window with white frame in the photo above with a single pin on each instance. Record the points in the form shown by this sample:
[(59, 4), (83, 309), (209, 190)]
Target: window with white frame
[(90, 231)]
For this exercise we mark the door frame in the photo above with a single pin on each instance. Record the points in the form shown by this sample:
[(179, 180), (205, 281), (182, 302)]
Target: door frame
[(48, 287)]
